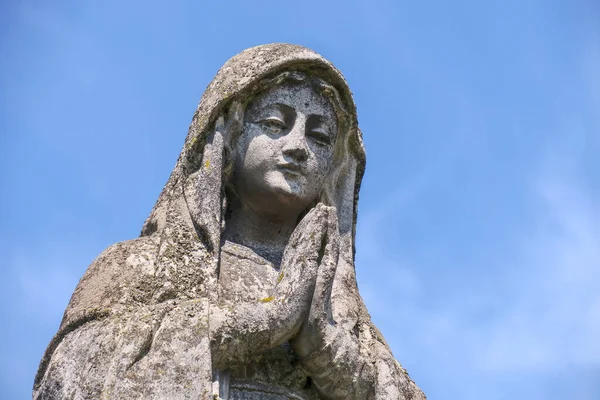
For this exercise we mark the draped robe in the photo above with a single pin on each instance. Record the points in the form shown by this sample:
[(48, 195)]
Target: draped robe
[(138, 323)]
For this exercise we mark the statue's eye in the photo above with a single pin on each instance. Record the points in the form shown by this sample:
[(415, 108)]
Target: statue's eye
[(321, 139), (273, 124)]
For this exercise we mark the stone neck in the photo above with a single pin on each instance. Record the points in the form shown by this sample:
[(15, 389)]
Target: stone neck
[(266, 235)]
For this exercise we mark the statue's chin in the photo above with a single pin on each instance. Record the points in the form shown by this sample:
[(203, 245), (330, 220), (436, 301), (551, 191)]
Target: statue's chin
[(290, 189)]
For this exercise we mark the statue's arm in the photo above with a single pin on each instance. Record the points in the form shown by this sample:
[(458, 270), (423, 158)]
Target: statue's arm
[(358, 364), (346, 356)]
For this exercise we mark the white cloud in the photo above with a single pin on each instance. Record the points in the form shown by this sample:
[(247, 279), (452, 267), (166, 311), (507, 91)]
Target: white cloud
[(555, 317)]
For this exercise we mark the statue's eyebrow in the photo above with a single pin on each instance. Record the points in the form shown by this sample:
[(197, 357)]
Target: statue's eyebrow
[(283, 108)]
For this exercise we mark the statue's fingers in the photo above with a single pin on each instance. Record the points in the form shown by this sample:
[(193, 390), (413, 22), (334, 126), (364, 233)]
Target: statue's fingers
[(315, 330), (291, 300), (300, 261), (311, 226), (320, 310)]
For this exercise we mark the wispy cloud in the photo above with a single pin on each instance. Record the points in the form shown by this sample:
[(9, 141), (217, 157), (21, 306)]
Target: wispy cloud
[(535, 329), (541, 317), (555, 318)]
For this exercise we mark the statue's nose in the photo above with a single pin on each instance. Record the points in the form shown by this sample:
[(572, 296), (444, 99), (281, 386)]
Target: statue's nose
[(295, 142), (298, 154)]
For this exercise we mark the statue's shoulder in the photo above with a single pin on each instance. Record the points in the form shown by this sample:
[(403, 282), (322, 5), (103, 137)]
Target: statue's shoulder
[(121, 276)]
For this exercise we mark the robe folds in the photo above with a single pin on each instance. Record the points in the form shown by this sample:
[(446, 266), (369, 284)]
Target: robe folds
[(138, 325)]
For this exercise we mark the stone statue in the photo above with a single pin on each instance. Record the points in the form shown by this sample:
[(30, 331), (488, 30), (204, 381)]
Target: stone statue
[(242, 283)]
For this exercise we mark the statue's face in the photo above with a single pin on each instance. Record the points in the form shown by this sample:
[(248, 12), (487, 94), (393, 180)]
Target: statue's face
[(285, 150)]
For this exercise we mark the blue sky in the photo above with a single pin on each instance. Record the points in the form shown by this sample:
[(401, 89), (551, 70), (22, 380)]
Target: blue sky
[(478, 244)]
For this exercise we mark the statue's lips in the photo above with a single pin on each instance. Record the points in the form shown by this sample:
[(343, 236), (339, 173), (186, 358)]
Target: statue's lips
[(290, 168)]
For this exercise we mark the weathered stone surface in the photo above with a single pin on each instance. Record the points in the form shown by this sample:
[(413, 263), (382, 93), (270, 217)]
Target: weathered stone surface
[(242, 284)]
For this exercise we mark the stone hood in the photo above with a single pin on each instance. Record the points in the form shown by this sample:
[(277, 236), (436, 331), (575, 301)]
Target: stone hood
[(237, 79)]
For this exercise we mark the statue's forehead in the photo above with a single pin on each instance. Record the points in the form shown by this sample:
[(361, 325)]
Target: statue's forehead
[(298, 95)]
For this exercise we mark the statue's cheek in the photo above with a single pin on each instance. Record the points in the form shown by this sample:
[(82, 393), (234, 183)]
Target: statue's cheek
[(259, 158), (316, 172), (323, 160)]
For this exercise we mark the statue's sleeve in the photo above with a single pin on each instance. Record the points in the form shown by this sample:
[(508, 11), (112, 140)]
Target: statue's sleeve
[(358, 364), (352, 359), (115, 343)]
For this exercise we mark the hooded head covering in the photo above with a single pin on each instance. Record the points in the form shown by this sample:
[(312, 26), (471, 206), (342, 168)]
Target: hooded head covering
[(240, 78), (195, 191)]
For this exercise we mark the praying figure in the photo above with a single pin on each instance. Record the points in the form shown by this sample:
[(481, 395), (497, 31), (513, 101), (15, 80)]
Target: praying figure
[(242, 283)]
